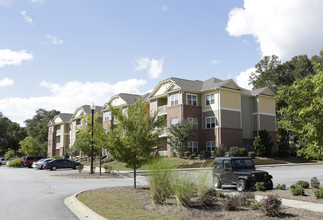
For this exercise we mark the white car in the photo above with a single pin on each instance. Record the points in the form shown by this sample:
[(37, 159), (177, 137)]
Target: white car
[(3, 161)]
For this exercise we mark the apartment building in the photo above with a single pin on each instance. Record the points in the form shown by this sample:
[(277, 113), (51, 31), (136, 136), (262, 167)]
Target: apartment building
[(63, 129), (224, 113), (121, 100)]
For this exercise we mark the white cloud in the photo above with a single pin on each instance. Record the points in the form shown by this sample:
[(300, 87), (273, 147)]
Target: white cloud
[(243, 78), (214, 62), (5, 2), (26, 17), (54, 40), (285, 28), (38, 1), (67, 97), (165, 8), (154, 66), (9, 57), (6, 82)]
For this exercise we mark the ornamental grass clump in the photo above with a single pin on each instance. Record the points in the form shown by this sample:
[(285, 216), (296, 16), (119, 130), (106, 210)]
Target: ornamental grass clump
[(15, 163), (183, 187), (159, 176), (281, 187), (260, 186)]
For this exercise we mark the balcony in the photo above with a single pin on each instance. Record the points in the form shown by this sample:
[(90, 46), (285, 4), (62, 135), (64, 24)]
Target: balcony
[(162, 110), (58, 132), (164, 133), (58, 145)]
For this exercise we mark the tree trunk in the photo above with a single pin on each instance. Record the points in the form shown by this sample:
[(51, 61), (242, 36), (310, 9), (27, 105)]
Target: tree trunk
[(134, 177)]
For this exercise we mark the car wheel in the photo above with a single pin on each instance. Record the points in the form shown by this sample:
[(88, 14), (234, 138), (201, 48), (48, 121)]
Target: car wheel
[(41, 167), (30, 165), (54, 168), (241, 185), (216, 182), (269, 185)]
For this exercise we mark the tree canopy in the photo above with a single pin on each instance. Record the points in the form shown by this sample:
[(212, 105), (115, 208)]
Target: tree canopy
[(136, 133), (30, 146), (303, 113)]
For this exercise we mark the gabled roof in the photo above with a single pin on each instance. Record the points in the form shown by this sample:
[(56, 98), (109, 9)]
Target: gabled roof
[(127, 98), (65, 117), (87, 110), (262, 91)]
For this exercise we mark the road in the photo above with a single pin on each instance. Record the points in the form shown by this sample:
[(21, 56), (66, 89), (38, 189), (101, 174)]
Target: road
[(30, 194)]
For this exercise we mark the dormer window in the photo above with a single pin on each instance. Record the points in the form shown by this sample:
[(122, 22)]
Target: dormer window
[(191, 99)]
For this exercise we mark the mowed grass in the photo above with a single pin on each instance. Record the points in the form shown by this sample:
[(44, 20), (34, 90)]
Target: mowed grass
[(116, 205)]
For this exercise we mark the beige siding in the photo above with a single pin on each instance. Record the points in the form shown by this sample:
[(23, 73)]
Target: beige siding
[(266, 105), (118, 101), (58, 120), (153, 106), (230, 99), (210, 107), (162, 88)]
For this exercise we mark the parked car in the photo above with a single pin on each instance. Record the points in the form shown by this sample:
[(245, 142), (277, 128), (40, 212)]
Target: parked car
[(3, 161), (40, 163), (239, 171), (60, 163), (29, 160)]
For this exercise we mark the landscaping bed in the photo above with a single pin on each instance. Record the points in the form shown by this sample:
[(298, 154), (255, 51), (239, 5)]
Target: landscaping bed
[(131, 203), (87, 175)]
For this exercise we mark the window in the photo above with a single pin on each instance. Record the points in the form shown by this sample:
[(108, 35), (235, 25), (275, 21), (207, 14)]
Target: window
[(174, 99), (193, 120), (210, 146), (191, 99), (106, 116), (50, 130), (193, 146), (173, 121), (210, 122), (209, 99), (50, 142)]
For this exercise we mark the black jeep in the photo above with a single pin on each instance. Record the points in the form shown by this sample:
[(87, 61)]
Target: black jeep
[(239, 171)]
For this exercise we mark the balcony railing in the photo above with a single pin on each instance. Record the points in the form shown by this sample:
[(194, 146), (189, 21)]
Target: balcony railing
[(162, 110), (58, 131), (164, 133)]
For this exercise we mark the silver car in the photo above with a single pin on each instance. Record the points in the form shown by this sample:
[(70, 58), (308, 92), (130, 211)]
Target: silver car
[(3, 161), (40, 163)]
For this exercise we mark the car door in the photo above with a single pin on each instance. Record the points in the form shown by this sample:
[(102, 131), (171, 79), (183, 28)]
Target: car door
[(227, 174)]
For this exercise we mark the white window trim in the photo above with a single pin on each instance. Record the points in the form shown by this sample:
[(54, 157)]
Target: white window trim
[(174, 95), (211, 123), (194, 120), (191, 94), (106, 115), (210, 146), (172, 119), (190, 144)]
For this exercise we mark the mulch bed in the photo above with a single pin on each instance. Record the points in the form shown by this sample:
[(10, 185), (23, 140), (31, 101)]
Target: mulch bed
[(170, 208), (87, 175)]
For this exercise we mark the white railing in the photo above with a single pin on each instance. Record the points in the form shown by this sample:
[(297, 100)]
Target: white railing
[(164, 133), (58, 131), (58, 145), (163, 153), (162, 110)]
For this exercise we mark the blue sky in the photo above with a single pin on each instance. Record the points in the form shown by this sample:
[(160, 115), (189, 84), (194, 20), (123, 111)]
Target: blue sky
[(58, 54)]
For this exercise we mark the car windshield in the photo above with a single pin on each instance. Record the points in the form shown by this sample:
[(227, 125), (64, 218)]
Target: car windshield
[(242, 164)]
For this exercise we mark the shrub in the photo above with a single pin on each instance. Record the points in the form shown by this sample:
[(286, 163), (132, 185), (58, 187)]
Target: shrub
[(208, 199), (220, 195), (319, 193), (213, 153), (315, 183), (79, 168), (201, 181), (220, 151), (230, 203), (15, 163), (297, 190), (281, 187), (173, 154), (234, 151), (271, 206), (193, 155), (108, 168), (10, 154), (204, 155), (260, 186), (242, 151), (252, 154), (245, 198), (303, 184), (255, 205), (57, 157), (159, 177), (187, 153)]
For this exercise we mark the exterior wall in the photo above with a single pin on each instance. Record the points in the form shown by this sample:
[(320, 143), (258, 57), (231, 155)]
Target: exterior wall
[(209, 114), (230, 99), (118, 101), (212, 107), (180, 98), (267, 105), (230, 119), (153, 106), (246, 113), (162, 88), (199, 103), (267, 122), (231, 137), (174, 112), (51, 144)]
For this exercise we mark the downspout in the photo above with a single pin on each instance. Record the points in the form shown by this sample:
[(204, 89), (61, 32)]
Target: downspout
[(219, 116), (258, 116)]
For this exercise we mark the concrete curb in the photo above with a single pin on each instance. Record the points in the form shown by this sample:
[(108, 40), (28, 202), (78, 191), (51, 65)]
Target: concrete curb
[(81, 210)]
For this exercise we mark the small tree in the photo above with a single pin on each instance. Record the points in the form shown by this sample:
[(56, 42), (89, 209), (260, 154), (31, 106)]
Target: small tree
[(179, 134), (135, 135), (263, 144), (84, 137)]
